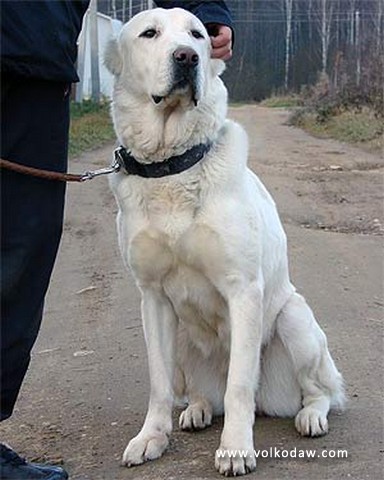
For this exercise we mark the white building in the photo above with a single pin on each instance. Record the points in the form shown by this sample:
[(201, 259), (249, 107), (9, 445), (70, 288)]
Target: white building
[(106, 28)]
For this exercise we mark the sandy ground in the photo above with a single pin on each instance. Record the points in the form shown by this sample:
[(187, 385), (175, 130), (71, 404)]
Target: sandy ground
[(86, 392)]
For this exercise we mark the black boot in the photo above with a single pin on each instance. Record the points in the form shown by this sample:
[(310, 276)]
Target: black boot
[(13, 467)]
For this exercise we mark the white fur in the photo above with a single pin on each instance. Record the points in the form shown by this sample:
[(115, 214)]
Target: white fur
[(223, 324)]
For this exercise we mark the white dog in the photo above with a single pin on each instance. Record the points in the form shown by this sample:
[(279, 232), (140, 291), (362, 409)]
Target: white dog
[(223, 324)]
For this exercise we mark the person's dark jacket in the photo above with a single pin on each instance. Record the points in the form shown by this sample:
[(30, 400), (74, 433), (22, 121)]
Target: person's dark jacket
[(207, 11), (38, 38)]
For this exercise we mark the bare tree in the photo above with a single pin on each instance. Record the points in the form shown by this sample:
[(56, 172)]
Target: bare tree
[(358, 47), (288, 18), (352, 9), (378, 22), (325, 31), (310, 13)]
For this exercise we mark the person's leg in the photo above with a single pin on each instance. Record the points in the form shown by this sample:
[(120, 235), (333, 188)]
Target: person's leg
[(34, 132)]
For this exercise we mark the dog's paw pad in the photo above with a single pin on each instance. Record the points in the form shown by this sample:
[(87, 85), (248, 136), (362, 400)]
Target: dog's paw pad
[(143, 448), (233, 463), (311, 422), (196, 416)]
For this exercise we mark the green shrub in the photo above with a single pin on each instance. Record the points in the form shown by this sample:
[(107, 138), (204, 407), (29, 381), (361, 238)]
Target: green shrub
[(91, 126), (282, 101)]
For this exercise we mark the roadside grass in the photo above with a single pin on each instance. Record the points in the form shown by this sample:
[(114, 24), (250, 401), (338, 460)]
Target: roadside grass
[(282, 101), (360, 128), (91, 126), (239, 104)]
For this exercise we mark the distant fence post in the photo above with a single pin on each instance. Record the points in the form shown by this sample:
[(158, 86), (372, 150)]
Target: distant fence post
[(94, 44), (81, 61)]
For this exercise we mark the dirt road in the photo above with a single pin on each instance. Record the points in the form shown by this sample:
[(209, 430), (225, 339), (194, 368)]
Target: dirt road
[(87, 389)]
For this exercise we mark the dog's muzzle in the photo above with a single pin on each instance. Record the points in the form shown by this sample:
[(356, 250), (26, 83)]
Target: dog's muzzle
[(185, 63)]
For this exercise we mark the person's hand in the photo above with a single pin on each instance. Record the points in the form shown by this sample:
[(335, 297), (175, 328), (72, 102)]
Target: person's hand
[(221, 40)]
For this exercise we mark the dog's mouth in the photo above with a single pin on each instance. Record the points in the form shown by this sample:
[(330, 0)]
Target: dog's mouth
[(175, 95), (182, 87)]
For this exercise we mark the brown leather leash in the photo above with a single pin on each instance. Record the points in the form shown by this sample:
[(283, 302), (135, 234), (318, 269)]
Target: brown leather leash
[(62, 177)]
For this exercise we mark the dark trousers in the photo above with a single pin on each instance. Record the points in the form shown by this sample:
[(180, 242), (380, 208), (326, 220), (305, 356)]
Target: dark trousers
[(34, 132)]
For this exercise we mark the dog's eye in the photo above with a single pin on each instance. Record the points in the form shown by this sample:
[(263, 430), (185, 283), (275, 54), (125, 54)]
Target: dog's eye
[(150, 33), (197, 34)]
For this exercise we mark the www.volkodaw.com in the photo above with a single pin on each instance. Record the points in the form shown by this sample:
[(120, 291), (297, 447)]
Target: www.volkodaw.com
[(276, 452)]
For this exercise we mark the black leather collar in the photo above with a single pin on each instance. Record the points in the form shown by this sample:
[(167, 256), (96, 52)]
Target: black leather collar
[(170, 166)]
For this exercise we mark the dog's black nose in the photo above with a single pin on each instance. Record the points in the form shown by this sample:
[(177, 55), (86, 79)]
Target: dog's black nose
[(186, 56)]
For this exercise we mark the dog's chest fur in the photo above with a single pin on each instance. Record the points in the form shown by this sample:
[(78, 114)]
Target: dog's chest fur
[(178, 252)]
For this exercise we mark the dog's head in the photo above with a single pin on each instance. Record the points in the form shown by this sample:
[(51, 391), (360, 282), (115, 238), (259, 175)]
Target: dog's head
[(165, 56)]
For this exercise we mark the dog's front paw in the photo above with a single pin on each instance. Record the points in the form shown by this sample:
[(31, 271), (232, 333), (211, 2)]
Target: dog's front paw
[(196, 416), (232, 463), (144, 447), (311, 422)]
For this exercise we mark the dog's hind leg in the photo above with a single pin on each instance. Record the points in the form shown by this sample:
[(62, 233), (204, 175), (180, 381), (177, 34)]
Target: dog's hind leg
[(279, 393), (317, 375)]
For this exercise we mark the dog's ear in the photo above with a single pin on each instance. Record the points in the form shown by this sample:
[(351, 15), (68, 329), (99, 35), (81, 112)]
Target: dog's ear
[(217, 67), (112, 57)]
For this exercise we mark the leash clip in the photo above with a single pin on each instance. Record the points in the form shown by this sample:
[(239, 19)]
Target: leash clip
[(113, 168)]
